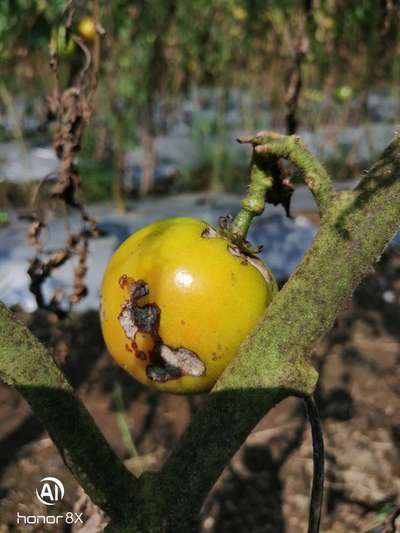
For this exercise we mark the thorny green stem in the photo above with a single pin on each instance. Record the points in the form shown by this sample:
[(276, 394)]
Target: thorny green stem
[(267, 149), (294, 150), (254, 202)]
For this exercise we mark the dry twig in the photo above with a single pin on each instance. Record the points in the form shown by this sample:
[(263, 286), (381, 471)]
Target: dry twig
[(72, 109)]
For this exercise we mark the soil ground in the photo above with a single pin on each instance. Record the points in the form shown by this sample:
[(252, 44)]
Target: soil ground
[(266, 486)]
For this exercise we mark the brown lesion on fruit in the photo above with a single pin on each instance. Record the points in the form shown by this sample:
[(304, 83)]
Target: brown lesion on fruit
[(140, 354), (209, 233), (234, 249), (254, 261), (171, 363), (215, 356), (135, 317), (165, 362), (259, 265)]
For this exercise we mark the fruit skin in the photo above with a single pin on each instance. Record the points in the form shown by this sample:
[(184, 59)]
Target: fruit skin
[(87, 28), (209, 299)]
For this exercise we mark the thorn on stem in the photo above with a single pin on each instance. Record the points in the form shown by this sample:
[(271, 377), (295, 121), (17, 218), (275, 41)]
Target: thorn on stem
[(245, 140), (262, 149)]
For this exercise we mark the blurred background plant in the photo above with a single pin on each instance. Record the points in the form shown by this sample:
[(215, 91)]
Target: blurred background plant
[(182, 79)]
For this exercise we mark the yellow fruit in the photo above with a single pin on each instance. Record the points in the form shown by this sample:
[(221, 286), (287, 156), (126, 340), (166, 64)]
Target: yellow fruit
[(344, 93), (177, 300), (87, 28), (239, 13)]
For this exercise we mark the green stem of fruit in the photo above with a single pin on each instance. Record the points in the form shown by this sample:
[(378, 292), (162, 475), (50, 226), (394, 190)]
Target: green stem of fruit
[(254, 202)]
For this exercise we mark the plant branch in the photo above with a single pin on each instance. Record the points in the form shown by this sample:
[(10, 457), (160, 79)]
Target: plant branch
[(254, 202), (294, 150), (261, 181), (29, 368), (272, 362), (268, 186)]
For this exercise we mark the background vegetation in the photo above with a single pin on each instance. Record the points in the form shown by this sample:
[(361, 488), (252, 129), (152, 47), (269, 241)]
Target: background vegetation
[(204, 69)]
